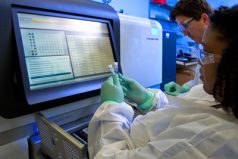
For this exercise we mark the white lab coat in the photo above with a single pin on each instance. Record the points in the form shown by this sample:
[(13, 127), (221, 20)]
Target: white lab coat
[(198, 95), (188, 131)]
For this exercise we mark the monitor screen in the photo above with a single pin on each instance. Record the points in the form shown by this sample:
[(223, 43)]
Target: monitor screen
[(61, 55)]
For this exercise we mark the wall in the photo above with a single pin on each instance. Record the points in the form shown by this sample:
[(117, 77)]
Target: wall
[(137, 8)]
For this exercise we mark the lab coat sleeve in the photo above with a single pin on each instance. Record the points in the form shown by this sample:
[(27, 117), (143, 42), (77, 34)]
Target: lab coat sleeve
[(109, 129), (110, 136), (160, 99)]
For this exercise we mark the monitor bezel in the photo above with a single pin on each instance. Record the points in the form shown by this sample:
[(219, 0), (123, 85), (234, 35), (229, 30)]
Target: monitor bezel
[(36, 97)]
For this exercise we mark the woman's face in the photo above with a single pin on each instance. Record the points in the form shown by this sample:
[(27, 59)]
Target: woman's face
[(213, 44)]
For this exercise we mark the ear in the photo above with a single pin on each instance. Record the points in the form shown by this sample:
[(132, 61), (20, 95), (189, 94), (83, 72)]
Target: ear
[(205, 18)]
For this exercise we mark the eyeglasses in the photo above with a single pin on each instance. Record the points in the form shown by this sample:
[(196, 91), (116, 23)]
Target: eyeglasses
[(183, 26), (208, 58)]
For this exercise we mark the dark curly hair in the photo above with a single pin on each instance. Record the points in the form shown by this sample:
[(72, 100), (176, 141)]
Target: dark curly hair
[(226, 86), (191, 8)]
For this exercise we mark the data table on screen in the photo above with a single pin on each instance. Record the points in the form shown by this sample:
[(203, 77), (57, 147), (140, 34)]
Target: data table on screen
[(89, 54)]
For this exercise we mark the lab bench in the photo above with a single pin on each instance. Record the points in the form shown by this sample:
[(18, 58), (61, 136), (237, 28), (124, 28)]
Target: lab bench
[(185, 72)]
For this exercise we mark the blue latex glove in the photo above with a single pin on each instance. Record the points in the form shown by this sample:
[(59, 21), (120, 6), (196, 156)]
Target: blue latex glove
[(111, 90), (136, 93), (174, 89)]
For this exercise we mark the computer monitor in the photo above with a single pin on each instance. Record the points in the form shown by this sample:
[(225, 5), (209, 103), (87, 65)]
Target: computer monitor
[(61, 55)]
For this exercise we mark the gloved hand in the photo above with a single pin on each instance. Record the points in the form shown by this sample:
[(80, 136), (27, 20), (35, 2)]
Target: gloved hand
[(111, 90), (136, 93), (174, 89)]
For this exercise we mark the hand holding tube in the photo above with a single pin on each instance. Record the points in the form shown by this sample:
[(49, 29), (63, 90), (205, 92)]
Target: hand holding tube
[(136, 93), (111, 90)]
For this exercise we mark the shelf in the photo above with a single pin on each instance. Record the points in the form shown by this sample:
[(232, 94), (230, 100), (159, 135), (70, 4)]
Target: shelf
[(164, 20), (164, 6), (181, 63)]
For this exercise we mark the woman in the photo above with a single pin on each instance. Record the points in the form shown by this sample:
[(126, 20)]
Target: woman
[(221, 39), (175, 132)]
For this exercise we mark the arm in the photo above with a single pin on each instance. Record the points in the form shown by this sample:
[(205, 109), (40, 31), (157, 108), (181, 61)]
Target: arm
[(113, 134), (146, 99), (109, 126), (110, 130), (169, 133), (160, 99)]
